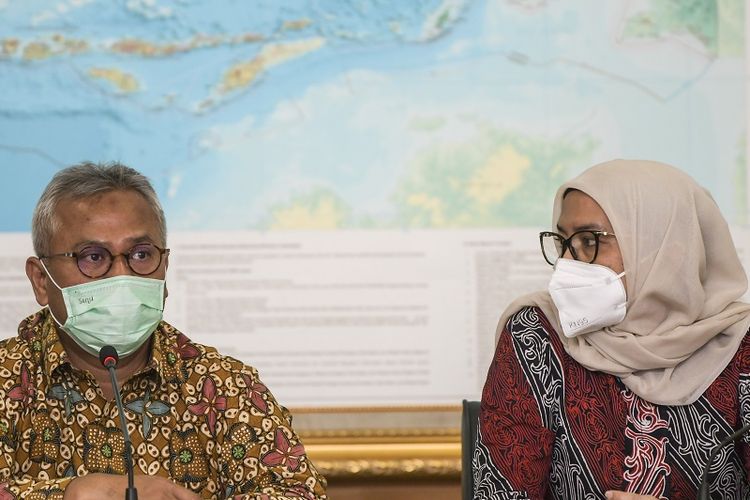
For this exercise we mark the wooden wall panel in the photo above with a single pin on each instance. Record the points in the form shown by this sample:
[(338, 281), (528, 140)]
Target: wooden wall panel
[(395, 490)]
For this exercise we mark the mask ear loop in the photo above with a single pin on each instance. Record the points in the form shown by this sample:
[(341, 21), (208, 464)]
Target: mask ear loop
[(57, 286), (612, 279), (49, 275)]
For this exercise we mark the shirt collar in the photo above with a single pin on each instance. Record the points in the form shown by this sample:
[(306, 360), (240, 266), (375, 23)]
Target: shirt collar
[(166, 353), (41, 333)]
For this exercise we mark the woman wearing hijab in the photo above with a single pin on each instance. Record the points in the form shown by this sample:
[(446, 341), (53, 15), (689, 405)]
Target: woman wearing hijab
[(621, 379)]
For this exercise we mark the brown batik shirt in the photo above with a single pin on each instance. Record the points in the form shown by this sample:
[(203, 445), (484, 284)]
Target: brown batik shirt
[(204, 420)]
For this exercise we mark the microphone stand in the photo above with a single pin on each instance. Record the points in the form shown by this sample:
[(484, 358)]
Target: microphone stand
[(703, 491), (109, 360)]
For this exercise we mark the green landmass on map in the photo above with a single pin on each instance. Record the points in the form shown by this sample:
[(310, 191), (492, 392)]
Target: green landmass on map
[(717, 24), (500, 179), (319, 208)]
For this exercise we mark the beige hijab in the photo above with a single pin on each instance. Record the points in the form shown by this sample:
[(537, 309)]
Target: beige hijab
[(683, 323)]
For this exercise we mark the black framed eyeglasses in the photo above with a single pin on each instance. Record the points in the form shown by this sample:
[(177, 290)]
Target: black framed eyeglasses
[(95, 261), (583, 245)]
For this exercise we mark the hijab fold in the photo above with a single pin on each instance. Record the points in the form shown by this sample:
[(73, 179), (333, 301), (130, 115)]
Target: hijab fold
[(684, 321)]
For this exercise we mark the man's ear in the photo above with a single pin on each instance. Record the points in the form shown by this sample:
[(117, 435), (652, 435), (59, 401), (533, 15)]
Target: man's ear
[(38, 278)]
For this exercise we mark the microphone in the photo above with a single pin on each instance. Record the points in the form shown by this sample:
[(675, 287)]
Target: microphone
[(703, 491), (109, 358)]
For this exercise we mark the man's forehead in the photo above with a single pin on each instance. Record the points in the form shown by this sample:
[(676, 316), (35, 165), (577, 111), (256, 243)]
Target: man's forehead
[(111, 218), (119, 246), (115, 196)]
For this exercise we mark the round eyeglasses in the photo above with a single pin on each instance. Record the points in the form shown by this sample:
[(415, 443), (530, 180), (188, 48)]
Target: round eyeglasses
[(95, 261), (583, 245)]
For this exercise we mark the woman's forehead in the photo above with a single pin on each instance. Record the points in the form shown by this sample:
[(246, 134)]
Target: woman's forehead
[(580, 211)]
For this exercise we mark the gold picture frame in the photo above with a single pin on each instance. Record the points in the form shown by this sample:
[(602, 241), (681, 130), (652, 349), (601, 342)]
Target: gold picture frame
[(383, 442)]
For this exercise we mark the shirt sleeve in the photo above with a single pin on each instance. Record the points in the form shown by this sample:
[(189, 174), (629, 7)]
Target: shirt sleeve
[(263, 455), (12, 488), (744, 405), (512, 455), (14, 484)]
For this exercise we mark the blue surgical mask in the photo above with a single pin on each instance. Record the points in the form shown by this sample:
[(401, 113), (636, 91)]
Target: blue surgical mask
[(122, 311)]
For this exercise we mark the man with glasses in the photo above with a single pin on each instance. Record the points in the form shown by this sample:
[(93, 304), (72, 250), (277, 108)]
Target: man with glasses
[(202, 424)]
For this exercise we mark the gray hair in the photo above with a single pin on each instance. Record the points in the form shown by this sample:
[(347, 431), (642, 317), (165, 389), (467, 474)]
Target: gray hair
[(85, 180)]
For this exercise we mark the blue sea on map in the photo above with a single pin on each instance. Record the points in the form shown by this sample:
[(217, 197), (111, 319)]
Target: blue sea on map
[(366, 114)]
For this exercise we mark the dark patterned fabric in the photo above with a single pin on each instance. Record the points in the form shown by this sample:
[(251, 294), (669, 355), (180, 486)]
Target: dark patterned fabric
[(549, 428), (195, 416)]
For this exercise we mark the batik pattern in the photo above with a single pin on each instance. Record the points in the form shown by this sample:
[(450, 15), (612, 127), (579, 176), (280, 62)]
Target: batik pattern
[(550, 429), (202, 419)]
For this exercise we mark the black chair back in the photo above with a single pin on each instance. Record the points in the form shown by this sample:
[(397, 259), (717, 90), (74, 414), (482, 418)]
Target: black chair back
[(469, 422)]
